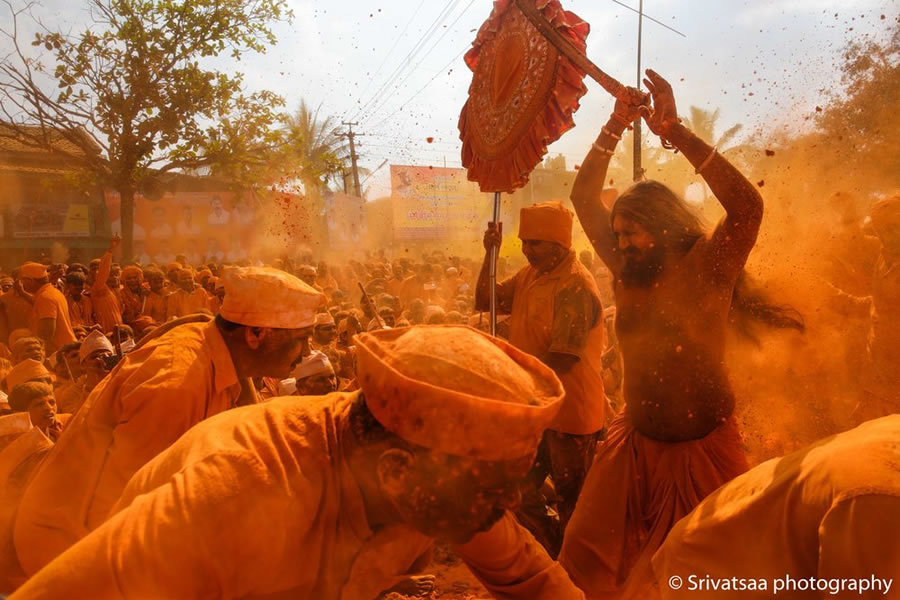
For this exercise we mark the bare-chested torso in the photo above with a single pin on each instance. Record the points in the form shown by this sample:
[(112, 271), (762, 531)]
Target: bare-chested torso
[(672, 335)]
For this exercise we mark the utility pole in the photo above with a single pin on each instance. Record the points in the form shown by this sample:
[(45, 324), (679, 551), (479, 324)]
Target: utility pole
[(350, 135), (638, 169), (638, 173)]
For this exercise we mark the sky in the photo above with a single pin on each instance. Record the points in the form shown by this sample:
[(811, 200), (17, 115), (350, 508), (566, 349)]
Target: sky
[(396, 68)]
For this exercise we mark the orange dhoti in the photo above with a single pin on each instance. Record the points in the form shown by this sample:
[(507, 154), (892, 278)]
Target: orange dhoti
[(636, 490)]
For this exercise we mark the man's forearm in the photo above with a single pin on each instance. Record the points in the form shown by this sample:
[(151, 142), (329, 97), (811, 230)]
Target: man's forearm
[(736, 194)]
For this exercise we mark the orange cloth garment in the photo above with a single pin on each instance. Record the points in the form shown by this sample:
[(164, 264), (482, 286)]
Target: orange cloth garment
[(635, 491), (19, 460), (16, 314), (155, 307), (830, 510), (81, 312), (152, 397), (276, 473), (49, 303), (132, 304), (560, 312), (548, 222), (181, 303), (107, 311)]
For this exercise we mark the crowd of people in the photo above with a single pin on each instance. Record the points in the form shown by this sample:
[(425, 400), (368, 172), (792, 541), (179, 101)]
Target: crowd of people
[(305, 429)]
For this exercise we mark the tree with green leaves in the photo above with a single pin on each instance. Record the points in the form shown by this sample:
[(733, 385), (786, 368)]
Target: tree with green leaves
[(312, 144), (129, 91)]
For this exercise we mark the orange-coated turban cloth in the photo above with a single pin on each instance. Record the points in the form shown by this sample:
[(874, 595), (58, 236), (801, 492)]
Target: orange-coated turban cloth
[(33, 270), (452, 388), (93, 342), (18, 334), (324, 319), (267, 297), (132, 270), (27, 370), (173, 266), (548, 222)]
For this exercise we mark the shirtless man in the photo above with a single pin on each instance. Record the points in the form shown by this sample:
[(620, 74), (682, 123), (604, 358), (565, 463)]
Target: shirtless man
[(678, 288)]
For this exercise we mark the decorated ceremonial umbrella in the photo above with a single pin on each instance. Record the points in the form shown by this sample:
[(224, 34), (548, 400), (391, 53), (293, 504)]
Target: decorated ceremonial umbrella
[(528, 62)]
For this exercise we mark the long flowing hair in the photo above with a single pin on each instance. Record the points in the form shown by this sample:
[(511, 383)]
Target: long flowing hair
[(673, 224)]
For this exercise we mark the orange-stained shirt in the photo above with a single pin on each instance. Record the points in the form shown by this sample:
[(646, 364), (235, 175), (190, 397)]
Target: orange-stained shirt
[(560, 312), (261, 501), (49, 303), (16, 313), (81, 312), (132, 304), (155, 307), (393, 286), (154, 395), (107, 311), (830, 510), (180, 303), (22, 452)]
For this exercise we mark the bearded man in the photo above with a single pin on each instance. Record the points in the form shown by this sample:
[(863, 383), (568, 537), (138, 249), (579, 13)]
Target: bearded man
[(188, 298), (156, 304), (133, 294), (555, 315), (186, 373), (337, 498), (678, 290)]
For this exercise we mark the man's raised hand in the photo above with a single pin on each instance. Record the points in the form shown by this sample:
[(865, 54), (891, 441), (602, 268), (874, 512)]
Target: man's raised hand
[(664, 113), (630, 110)]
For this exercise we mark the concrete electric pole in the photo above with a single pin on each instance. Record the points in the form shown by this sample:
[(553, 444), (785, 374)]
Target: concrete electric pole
[(350, 135)]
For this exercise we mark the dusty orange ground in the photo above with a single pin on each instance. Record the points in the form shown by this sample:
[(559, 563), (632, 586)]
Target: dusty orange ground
[(453, 580)]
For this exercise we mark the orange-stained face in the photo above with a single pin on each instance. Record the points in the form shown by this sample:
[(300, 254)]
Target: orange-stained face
[(133, 281), (282, 349), (542, 255), (186, 281), (42, 412), (319, 384), (631, 234), (453, 498), (156, 283)]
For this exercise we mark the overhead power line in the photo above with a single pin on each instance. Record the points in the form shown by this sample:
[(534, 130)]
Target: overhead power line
[(445, 12)]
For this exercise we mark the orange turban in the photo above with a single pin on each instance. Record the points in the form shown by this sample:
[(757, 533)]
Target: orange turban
[(547, 222), (33, 270), (324, 319), (27, 370), (173, 266), (18, 334), (452, 388), (267, 297), (132, 269)]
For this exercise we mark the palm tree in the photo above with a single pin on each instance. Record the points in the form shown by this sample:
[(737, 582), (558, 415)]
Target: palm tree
[(703, 123), (313, 145)]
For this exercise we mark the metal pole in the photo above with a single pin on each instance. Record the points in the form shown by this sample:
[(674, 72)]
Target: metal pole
[(494, 267), (638, 170)]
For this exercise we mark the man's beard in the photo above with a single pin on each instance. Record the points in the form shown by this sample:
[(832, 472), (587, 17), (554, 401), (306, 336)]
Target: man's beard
[(642, 271)]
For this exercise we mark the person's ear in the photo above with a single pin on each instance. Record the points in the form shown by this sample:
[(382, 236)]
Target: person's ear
[(254, 336), (394, 469)]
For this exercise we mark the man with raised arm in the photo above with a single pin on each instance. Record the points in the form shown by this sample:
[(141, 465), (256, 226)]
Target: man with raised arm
[(678, 289)]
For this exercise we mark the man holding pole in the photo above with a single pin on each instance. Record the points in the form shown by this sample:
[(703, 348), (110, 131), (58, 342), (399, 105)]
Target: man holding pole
[(555, 315)]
